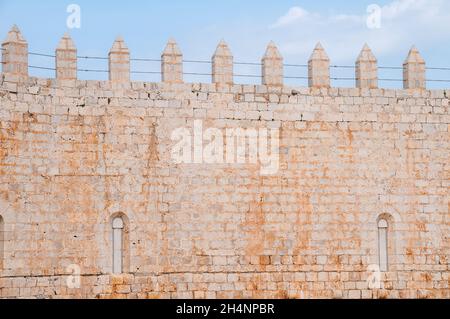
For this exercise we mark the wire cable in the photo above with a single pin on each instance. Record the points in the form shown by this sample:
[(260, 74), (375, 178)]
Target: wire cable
[(288, 65)]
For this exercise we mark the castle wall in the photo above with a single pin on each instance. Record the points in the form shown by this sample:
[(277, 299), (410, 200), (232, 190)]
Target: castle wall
[(75, 154)]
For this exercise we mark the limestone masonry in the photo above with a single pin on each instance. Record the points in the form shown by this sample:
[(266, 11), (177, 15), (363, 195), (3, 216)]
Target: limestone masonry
[(93, 206)]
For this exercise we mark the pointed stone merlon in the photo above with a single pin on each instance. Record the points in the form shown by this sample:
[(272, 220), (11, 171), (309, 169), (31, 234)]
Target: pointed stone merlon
[(15, 54), (366, 69), (119, 62), (272, 66), (222, 65), (319, 68), (66, 59), (172, 63), (414, 71)]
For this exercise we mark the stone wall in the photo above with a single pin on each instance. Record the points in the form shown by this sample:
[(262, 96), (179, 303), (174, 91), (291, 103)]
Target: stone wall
[(74, 154)]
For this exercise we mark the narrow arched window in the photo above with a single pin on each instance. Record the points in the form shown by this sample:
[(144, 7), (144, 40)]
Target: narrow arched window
[(117, 245), (2, 241), (383, 244)]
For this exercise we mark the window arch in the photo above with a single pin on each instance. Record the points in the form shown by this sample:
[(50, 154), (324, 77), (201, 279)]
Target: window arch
[(2, 241), (383, 244), (117, 244)]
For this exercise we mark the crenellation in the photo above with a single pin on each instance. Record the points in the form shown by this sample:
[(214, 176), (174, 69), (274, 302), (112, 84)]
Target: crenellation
[(272, 67), (15, 56), (66, 59), (222, 65), (414, 70), (319, 69), (172, 63), (366, 69)]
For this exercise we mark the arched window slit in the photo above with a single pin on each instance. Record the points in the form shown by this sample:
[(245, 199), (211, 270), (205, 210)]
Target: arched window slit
[(117, 227), (383, 244)]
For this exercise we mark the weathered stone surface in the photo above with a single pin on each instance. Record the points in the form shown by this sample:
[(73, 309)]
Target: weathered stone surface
[(366, 69), (66, 59), (75, 157), (172, 63), (222, 65), (414, 72), (272, 66), (119, 62), (15, 55), (319, 68)]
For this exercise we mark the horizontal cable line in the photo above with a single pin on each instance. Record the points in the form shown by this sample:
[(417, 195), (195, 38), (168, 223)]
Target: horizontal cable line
[(145, 72), (342, 66), (296, 77), (159, 60), (242, 63), (195, 73), (41, 67), (197, 61), (448, 81), (432, 68), (236, 63), (391, 80), (42, 54), (247, 63), (53, 69), (145, 60), (97, 71), (92, 57), (247, 76), (391, 67), (235, 75), (343, 79), (79, 56), (296, 65)]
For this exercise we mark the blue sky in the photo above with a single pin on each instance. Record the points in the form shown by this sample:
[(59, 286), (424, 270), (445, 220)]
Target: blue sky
[(247, 26)]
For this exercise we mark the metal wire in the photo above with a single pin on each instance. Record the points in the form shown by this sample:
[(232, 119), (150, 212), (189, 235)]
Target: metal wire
[(342, 79), (41, 67), (197, 61), (296, 65), (433, 68), (88, 70), (342, 66), (145, 72), (145, 60), (237, 75), (391, 67), (42, 54), (235, 63), (247, 76), (297, 77), (391, 80), (247, 63), (438, 81), (92, 57)]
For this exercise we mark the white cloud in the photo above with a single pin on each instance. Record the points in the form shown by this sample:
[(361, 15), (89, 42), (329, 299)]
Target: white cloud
[(400, 7), (403, 23), (293, 15)]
